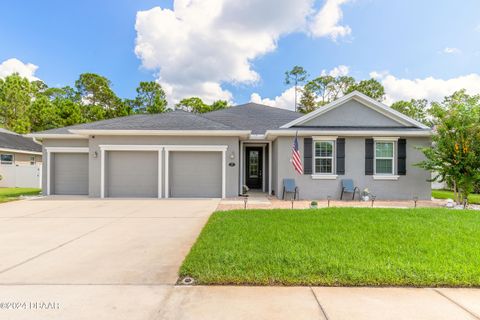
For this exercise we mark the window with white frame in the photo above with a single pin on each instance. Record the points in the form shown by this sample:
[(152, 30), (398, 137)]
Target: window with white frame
[(324, 153), (384, 157), (6, 158)]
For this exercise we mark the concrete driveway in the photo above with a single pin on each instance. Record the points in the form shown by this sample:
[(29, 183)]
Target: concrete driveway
[(98, 242), (118, 259)]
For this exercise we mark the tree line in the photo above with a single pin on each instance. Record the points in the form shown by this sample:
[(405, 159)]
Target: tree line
[(319, 91), (29, 106)]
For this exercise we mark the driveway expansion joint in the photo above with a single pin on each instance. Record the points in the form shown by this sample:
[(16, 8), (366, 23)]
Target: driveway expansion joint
[(322, 310), (473, 314)]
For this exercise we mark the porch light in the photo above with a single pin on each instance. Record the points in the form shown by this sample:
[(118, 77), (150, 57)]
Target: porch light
[(232, 155), (95, 154)]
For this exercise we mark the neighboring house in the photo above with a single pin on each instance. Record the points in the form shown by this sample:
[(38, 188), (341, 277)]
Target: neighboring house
[(180, 154), (20, 161)]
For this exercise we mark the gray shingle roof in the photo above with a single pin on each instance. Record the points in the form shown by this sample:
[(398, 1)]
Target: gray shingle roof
[(250, 116), (253, 116), (174, 120), (18, 142)]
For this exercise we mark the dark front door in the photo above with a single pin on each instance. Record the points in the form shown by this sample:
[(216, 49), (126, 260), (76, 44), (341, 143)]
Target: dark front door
[(254, 164)]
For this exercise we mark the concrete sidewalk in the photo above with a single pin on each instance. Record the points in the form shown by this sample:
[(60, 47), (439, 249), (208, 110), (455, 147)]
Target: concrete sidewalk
[(173, 302)]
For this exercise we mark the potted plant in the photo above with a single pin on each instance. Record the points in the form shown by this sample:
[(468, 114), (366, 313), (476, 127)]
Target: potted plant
[(365, 194), (314, 205)]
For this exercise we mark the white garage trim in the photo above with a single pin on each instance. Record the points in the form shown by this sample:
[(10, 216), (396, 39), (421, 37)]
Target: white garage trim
[(104, 148), (51, 150), (222, 149)]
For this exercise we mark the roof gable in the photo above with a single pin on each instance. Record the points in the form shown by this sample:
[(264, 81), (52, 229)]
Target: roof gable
[(355, 110)]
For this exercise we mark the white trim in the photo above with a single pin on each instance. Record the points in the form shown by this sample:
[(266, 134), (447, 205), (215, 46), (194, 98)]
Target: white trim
[(224, 172), (55, 136), (113, 147), (196, 148), (333, 157), (262, 145), (263, 168), (159, 185), (127, 147), (167, 174), (350, 133), (324, 176), (269, 168), (385, 177), (83, 132), (20, 151), (324, 138), (67, 149), (240, 190), (8, 164), (365, 100), (393, 142), (50, 150), (386, 139)]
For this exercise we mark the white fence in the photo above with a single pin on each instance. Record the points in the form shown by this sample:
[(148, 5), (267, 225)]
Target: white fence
[(17, 176)]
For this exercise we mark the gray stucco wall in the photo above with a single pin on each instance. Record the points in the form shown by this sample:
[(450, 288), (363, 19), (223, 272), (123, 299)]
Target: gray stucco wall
[(352, 113), (414, 183), (232, 174), (57, 143)]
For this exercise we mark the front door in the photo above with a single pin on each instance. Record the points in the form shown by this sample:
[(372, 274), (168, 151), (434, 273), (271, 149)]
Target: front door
[(254, 164)]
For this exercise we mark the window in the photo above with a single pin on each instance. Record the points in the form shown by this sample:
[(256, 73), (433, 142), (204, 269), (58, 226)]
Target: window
[(324, 157), (32, 160), (253, 164), (384, 161), (6, 158)]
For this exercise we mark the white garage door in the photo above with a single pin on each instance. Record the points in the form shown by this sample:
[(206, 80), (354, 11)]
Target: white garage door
[(70, 174), (132, 174), (195, 174)]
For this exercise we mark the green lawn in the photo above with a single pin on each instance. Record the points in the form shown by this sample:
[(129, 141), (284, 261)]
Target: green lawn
[(10, 194), (338, 246), (447, 194)]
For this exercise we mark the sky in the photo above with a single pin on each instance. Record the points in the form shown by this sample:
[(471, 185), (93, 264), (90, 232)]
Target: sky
[(240, 50)]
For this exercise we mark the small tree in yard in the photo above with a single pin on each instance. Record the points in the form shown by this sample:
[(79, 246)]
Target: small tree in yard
[(455, 152)]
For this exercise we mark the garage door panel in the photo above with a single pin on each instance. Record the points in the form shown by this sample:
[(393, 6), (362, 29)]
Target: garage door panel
[(195, 174), (132, 174), (70, 174)]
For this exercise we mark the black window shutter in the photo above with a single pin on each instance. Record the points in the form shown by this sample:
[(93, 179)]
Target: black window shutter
[(402, 157), (369, 157), (341, 156), (307, 155)]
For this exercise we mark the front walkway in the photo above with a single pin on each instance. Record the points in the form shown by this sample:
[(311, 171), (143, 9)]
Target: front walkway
[(262, 201)]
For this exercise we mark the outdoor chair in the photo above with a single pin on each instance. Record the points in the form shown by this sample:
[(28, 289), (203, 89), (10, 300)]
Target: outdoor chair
[(289, 186), (348, 187)]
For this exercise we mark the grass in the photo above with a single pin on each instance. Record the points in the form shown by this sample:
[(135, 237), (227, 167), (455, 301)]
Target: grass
[(11, 194), (447, 194), (338, 246)]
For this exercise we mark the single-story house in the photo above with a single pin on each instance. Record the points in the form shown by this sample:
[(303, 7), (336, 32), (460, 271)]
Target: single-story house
[(181, 154), (20, 161)]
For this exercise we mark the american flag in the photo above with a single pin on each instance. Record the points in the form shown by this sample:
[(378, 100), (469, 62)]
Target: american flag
[(296, 160)]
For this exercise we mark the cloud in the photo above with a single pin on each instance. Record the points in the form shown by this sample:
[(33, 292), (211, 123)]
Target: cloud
[(341, 70), (14, 65), (326, 22), (449, 50), (284, 101), (199, 45), (430, 88)]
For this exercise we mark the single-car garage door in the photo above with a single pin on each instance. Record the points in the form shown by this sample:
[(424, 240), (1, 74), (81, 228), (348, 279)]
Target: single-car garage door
[(70, 173), (132, 174), (195, 174)]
